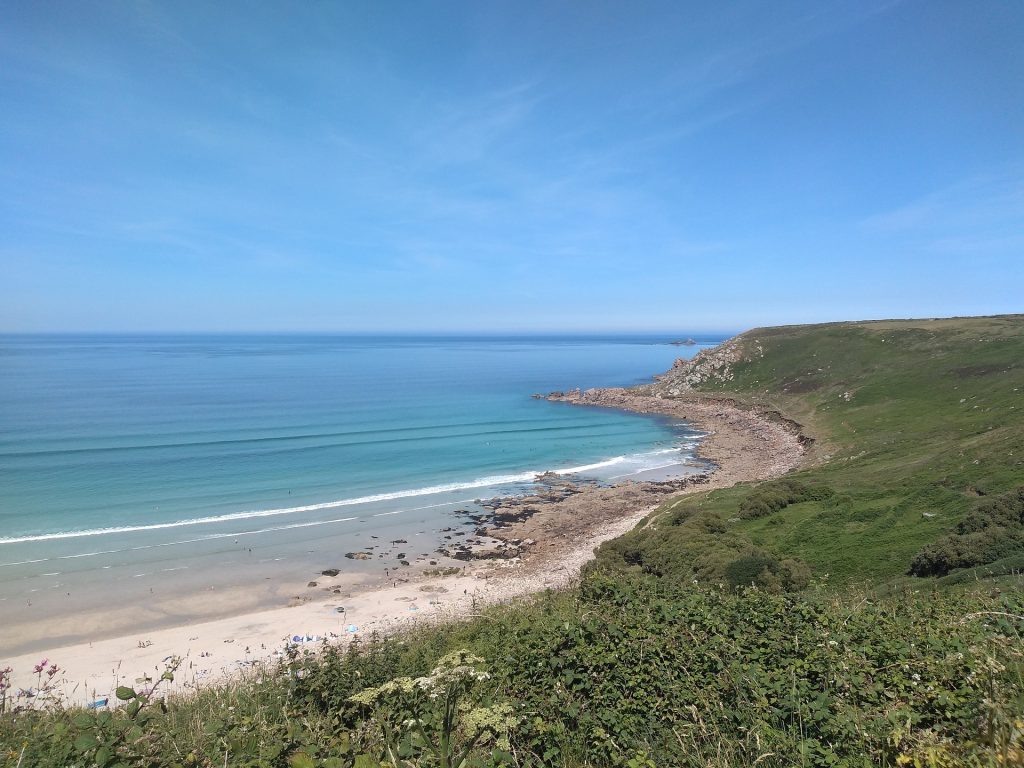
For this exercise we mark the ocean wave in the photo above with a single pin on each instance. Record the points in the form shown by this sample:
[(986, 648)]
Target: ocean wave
[(247, 515), (343, 439), (217, 536), (589, 467), (651, 468), (481, 482)]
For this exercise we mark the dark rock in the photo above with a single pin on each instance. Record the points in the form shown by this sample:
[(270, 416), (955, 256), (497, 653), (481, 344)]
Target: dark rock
[(500, 553)]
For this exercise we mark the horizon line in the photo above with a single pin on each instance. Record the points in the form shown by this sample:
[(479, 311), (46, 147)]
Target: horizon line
[(377, 333)]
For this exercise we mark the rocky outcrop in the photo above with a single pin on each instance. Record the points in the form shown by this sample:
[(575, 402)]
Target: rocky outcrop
[(715, 364)]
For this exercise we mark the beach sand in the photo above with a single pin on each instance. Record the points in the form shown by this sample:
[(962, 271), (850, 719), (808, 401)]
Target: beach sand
[(545, 548)]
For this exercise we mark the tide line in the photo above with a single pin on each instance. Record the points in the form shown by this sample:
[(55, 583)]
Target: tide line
[(482, 482), (228, 535)]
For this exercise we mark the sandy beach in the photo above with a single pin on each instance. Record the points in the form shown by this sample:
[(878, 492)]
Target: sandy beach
[(528, 544)]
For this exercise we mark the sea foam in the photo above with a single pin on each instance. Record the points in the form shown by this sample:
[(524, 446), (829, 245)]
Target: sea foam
[(482, 482)]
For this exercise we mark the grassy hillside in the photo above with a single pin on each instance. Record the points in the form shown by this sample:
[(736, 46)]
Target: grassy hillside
[(665, 655), (915, 423)]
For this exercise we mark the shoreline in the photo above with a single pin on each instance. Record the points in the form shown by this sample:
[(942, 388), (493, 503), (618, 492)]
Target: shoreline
[(538, 542)]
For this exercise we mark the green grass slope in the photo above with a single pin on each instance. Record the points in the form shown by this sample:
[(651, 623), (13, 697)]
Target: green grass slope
[(916, 423)]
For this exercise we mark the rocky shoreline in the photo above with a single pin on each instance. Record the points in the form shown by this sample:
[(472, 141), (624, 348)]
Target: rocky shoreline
[(537, 535), (510, 546), (745, 443), (563, 509)]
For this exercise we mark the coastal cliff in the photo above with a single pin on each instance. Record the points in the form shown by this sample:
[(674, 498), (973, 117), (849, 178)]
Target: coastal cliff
[(708, 365)]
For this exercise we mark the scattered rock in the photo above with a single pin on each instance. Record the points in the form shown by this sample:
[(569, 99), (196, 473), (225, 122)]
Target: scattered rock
[(449, 571)]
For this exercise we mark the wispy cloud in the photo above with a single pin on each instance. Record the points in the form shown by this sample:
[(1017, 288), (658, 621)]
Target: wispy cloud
[(980, 200), (981, 217)]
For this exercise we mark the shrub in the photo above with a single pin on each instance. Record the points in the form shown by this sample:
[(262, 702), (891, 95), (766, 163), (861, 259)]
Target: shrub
[(769, 498), (759, 569), (751, 569), (993, 531)]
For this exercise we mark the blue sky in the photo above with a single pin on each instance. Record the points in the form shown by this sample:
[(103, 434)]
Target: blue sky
[(508, 166)]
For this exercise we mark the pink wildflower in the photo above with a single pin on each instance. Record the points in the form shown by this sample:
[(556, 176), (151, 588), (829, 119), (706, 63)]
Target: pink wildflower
[(40, 666)]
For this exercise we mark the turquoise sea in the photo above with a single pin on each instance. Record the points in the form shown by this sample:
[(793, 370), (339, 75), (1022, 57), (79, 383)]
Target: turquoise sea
[(127, 456)]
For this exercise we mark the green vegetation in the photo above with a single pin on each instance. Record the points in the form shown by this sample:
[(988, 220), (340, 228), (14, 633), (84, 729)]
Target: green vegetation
[(623, 672), (991, 533), (915, 424), (866, 610), (772, 497)]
